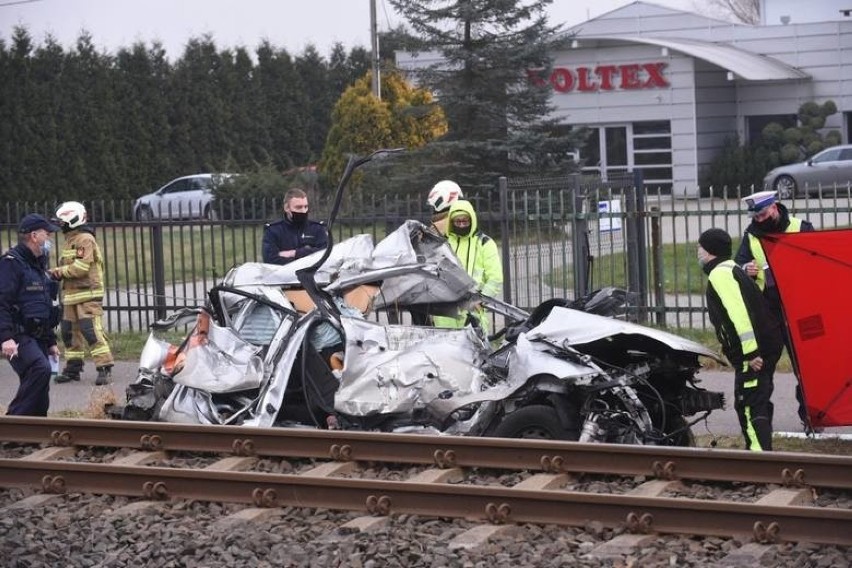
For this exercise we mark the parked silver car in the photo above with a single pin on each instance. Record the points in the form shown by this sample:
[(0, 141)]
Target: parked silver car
[(821, 173), (187, 197)]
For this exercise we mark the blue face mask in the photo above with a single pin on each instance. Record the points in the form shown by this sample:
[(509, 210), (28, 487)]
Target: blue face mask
[(46, 247)]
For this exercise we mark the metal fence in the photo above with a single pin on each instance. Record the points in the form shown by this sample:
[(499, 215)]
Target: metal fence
[(559, 237)]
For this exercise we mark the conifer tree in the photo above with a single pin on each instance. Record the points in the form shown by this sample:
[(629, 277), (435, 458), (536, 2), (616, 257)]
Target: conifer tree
[(499, 120)]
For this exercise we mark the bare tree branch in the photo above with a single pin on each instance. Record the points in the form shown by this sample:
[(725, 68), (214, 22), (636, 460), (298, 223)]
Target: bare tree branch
[(745, 11)]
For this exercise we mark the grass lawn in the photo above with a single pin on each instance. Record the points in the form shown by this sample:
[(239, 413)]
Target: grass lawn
[(679, 269)]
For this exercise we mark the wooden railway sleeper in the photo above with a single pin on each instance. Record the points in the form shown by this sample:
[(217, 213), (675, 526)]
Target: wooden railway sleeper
[(444, 459), (340, 453), (53, 484), (639, 523), (766, 534), (267, 498), (151, 442), (61, 438), (155, 490), (378, 505), (664, 470), (552, 464), (498, 514), (245, 448), (793, 479)]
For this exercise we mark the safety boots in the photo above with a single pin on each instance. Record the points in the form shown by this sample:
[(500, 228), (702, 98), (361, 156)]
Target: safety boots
[(104, 375), (67, 376), (72, 371)]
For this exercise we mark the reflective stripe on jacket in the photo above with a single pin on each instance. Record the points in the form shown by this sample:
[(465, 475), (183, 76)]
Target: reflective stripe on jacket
[(82, 266), (744, 325), (759, 256)]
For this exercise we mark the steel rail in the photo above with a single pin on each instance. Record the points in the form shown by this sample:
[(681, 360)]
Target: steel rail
[(785, 468), (496, 504)]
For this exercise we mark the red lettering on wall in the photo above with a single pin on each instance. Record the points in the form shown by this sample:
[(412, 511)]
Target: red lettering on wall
[(562, 80), (585, 83), (655, 75), (605, 72), (629, 76)]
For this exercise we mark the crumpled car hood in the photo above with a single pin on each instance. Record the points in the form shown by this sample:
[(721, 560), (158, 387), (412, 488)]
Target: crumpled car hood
[(577, 328)]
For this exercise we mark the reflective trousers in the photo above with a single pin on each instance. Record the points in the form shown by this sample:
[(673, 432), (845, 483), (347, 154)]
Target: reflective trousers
[(82, 329), (753, 404)]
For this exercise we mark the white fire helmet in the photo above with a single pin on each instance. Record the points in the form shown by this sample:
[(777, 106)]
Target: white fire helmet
[(443, 194), (72, 214)]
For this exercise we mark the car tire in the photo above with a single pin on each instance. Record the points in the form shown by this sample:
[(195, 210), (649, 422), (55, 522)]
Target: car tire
[(144, 214), (537, 421), (785, 186)]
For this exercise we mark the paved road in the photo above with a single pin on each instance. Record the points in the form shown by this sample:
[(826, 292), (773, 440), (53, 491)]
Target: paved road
[(78, 396)]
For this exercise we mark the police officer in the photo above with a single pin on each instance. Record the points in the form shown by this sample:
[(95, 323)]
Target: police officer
[(769, 216), (81, 270), (28, 315), (294, 236), (747, 332)]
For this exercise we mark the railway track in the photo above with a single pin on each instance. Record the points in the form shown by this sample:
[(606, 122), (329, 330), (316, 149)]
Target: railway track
[(498, 482)]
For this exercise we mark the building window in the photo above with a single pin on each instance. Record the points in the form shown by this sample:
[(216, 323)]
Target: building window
[(756, 124)]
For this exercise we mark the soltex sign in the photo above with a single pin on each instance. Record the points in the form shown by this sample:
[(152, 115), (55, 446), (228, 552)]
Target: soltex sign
[(628, 77)]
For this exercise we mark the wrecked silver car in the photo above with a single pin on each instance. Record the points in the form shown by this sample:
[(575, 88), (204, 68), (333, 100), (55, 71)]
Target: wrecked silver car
[(310, 344)]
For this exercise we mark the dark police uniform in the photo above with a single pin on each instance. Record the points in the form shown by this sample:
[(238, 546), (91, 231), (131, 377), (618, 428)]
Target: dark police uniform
[(751, 249), (285, 235), (28, 315)]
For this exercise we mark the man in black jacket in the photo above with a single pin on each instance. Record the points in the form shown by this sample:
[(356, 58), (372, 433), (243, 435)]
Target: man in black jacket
[(768, 216), (295, 235), (748, 334)]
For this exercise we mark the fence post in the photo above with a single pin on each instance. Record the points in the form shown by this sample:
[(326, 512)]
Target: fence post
[(657, 263), (505, 252), (579, 238), (159, 274), (637, 270)]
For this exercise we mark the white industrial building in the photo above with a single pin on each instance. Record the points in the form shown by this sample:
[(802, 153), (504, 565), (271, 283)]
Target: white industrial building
[(663, 88)]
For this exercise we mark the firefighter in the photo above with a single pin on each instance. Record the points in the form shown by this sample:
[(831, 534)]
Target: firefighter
[(442, 195), (747, 332), (81, 270)]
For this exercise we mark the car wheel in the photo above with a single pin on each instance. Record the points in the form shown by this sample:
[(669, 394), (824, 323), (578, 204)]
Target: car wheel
[(210, 213), (785, 186), (533, 422), (144, 214)]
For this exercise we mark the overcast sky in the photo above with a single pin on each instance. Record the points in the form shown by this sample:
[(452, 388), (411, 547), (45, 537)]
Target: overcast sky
[(291, 24)]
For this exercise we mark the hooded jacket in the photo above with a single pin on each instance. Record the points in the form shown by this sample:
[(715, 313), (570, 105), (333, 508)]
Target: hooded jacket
[(480, 257)]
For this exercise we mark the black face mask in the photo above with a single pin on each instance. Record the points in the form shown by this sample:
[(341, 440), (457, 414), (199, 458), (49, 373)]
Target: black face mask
[(461, 231), (298, 219), (768, 225)]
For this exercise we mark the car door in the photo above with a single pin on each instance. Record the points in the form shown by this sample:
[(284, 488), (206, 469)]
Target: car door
[(844, 170), (170, 204), (823, 170), (195, 197)]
